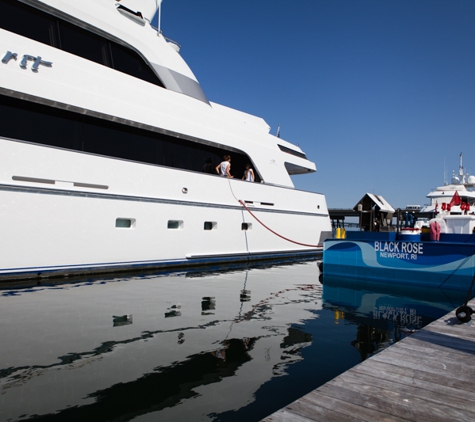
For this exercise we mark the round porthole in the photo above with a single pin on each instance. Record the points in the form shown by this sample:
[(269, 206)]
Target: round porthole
[(185, 190)]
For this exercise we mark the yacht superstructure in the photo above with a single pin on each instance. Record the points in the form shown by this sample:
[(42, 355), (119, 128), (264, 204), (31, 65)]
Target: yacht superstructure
[(461, 182), (104, 134)]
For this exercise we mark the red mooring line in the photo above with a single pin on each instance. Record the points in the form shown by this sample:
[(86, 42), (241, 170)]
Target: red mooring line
[(277, 234)]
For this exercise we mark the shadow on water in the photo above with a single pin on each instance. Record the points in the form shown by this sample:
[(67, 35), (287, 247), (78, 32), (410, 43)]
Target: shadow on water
[(223, 344), (198, 271)]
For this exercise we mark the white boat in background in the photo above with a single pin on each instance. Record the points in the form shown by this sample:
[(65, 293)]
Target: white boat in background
[(463, 183), (103, 138)]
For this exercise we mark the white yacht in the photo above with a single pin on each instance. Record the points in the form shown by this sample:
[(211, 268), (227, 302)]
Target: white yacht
[(463, 183), (104, 133)]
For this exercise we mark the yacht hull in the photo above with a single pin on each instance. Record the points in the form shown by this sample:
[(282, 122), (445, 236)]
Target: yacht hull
[(69, 212)]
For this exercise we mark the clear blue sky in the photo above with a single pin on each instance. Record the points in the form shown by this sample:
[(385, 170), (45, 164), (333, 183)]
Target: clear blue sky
[(378, 93)]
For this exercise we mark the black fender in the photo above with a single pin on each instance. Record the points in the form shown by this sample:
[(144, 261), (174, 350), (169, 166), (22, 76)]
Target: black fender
[(463, 313)]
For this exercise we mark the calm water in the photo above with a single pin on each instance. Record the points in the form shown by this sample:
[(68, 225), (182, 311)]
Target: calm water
[(221, 346)]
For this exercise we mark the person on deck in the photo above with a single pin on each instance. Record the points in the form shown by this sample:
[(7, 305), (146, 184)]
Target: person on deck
[(434, 231), (248, 174), (208, 167), (224, 168)]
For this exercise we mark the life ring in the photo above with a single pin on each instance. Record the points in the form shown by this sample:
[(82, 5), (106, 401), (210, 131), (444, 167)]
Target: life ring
[(444, 206)]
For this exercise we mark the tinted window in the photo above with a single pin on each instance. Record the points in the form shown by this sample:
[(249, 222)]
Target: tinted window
[(32, 23), (84, 44), (27, 21), (40, 124), (127, 61), (292, 151)]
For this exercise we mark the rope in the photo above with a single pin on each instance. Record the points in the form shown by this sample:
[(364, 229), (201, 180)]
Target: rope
[(272, 231), (456, 269), (469, 294)]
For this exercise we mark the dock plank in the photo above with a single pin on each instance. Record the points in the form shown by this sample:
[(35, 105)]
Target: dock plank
[(419, 379), (397, 391), (451, 333), (339, 410), (286, 415), (319, 407), (379, 400), (440, 353), (314, 411), (437, 364), (428, 376)]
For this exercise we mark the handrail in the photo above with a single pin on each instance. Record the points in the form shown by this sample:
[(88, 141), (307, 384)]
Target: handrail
[(159, 32), (169, 40)]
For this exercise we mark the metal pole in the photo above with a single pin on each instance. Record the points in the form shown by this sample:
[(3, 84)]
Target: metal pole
[(159, 17)]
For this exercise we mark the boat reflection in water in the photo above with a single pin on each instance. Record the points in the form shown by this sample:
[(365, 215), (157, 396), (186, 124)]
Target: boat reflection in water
[(385, 313), (180, 345), (216, 345)]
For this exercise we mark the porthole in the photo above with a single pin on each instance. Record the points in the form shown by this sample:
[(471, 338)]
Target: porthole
[(175, 224), (246, 226), (210, 225), (125, 223)]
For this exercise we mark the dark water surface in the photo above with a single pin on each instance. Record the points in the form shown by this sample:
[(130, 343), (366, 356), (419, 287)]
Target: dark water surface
[(220, 346)]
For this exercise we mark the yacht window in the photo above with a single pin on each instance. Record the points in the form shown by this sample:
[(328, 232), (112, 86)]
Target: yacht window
[(175, 224), (210, 225), (127, 61), (79, 132), (27, 21), (292, 151), (125, 223), (84, 44), (40, 26)]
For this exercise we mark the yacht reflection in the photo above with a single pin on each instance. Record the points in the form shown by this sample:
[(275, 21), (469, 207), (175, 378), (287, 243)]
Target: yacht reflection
[(165, 387), (145, 367), (168, 386), (122, 320), (173, 311), (384, 313), (208, 304)]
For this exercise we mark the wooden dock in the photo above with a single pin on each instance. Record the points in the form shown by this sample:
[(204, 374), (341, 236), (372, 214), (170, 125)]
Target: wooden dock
[(428, 376)]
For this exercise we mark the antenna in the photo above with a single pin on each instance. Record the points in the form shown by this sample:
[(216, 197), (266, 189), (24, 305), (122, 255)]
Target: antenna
[(159, 16), (445, 176)]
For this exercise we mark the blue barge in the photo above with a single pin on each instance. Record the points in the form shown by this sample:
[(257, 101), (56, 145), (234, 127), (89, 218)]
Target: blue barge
[(412, 257)]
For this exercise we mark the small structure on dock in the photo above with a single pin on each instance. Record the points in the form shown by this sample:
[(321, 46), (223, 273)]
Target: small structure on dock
[(375, 213)]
